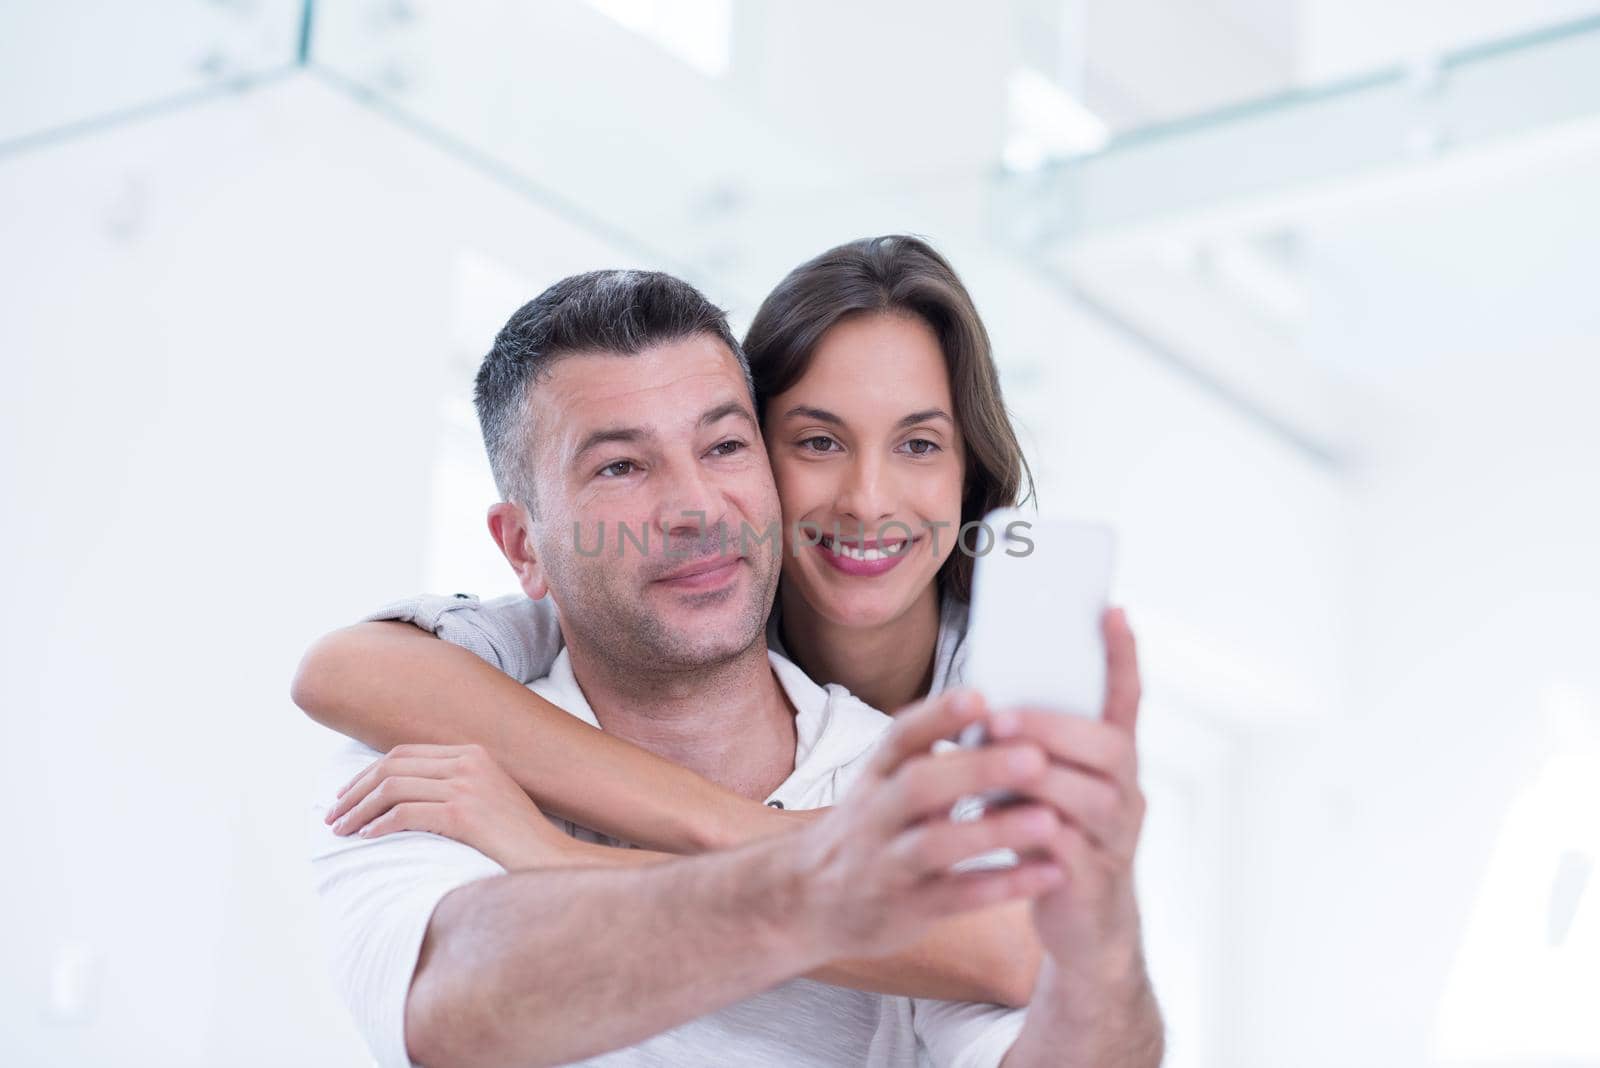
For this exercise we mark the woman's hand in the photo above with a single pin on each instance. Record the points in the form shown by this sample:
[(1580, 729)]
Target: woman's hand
[(453, 790)]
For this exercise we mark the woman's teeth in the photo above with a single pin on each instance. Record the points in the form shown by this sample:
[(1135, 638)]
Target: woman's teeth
[(857, 553)]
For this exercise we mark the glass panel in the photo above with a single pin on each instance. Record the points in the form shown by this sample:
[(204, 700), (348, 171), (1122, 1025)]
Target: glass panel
[(83, 62)]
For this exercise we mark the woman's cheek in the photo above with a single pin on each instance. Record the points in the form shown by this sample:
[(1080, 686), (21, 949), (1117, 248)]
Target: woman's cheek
[(946, 505), (796, 499)]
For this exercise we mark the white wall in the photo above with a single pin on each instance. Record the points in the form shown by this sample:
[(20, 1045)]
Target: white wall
[(230, 331), (1395, 888), (223, 342)]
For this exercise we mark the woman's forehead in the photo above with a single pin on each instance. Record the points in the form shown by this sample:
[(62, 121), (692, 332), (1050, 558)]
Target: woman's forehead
[(872, 369)]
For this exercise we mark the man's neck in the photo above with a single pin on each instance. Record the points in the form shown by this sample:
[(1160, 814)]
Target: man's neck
[(888, 665), (731, 722)]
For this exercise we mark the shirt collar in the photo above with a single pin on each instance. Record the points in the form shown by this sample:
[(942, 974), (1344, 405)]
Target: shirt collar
[(831, 727)]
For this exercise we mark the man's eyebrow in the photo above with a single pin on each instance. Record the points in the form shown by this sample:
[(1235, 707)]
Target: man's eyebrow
[(632, 435), (927, 415), (725, 409), (627, 435)]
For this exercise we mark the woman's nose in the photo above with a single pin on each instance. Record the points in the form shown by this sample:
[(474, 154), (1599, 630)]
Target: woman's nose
[(867, 494)]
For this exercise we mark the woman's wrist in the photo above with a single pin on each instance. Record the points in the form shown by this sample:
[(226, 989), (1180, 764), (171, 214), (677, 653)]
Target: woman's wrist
[(733, 821), (530, 847)]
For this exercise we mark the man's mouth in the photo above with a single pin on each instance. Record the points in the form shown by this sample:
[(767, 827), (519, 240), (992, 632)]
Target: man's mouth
[(706, 571)]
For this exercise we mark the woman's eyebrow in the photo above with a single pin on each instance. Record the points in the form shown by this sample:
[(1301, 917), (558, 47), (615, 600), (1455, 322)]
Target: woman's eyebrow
[(821, 415), (927, 415)]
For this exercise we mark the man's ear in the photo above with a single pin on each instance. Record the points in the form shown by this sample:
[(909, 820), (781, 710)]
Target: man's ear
[(512, 529)]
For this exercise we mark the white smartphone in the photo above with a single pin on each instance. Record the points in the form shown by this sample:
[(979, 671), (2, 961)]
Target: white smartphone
[(1038, 598)]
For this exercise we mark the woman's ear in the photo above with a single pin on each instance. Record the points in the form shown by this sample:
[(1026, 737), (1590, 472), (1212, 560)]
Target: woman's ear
[(511, 527)]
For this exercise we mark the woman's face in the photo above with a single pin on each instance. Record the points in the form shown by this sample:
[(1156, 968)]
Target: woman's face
[(869, 464)]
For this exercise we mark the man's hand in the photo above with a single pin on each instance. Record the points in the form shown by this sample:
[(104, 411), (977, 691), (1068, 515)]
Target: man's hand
[(873, 874), (1093, 785), (454, 790)]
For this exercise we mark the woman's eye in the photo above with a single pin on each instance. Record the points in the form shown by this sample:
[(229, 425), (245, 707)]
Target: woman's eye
[(820, 443), (727, 448), (617, 470), (922, 447)]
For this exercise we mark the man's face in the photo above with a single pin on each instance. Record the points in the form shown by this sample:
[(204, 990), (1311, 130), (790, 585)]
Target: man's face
[(647, 469)]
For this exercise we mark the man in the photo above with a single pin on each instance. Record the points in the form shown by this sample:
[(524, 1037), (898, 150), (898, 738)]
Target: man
[(448, 959)]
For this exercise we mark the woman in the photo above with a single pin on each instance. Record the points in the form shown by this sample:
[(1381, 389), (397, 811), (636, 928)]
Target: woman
[(882, 415)]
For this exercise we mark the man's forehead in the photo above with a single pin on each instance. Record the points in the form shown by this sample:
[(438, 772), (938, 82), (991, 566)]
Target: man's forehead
[(667, 387)]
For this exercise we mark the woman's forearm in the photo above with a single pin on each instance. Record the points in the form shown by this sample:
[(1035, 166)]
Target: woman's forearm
[(387, 684)]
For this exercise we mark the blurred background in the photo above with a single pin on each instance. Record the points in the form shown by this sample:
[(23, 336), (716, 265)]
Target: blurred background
[(1299, 294)]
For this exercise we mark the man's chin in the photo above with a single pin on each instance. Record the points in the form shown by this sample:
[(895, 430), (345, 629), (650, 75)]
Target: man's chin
[(706, 650), (709, 633), (709, 626)]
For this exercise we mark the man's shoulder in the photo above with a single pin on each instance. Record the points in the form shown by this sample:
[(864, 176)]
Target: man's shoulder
[(856, 716), (560, 687), (835, 730), (859, 727)]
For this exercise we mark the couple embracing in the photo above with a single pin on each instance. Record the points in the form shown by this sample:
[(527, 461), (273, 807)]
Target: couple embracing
[(658, 818)]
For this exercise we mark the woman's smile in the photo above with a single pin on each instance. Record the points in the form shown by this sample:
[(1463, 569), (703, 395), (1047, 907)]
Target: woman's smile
[(864, 558)]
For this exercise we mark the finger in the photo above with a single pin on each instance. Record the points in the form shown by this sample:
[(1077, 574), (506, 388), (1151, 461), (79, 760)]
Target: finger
[(354, 779), (1122, 672), (928, 786), (378, 770), (934, 847), (410, 816), (1076, 854), (392, 791), (1077, 741), (946, 895), (1087, 802), (408, 750), (918, 727)]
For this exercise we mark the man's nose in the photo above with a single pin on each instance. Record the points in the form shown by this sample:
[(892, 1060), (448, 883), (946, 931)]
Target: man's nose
[(693, 504)]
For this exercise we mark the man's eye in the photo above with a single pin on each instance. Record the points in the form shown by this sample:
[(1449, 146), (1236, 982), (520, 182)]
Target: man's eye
[(617, 470), (727, 448), (922, 447), (820, 443)]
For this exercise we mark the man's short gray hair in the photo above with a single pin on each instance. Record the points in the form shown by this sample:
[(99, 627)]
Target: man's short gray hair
[(601, 312)]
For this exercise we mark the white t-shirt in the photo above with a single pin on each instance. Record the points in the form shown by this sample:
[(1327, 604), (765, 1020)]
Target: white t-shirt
[(378, 895)]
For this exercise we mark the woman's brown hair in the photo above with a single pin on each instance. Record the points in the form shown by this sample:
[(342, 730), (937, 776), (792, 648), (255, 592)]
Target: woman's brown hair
[(900, 275)]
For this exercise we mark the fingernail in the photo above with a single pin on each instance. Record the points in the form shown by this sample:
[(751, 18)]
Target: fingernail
[(1003, 724), (362, 833), (338, 828)]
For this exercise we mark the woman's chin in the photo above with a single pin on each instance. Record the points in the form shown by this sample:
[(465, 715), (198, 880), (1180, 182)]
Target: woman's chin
[(859, 607)]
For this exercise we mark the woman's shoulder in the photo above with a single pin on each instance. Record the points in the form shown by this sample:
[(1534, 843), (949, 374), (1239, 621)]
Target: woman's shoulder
[(518, 635)]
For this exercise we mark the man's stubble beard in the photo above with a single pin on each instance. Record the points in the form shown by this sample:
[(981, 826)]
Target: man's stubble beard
[(618, 626)]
